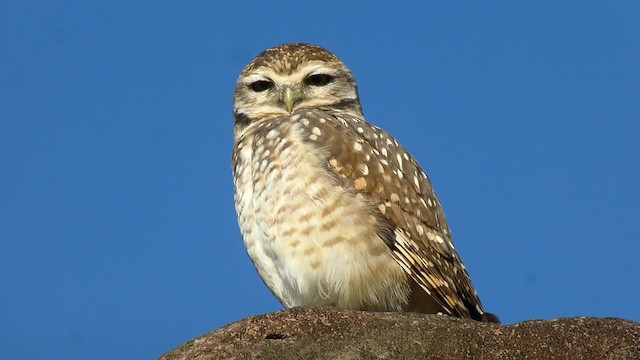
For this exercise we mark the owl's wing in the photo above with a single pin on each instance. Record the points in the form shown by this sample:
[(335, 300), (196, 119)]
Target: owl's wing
[(371, 162)]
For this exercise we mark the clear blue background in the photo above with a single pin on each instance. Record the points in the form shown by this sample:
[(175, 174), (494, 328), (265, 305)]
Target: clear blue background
[(117, 225)]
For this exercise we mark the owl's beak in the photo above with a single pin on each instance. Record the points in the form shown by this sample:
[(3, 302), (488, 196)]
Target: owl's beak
[(289, 98)]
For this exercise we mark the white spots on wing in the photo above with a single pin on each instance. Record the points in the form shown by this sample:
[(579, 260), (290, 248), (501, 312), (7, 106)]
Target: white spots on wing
[(423, 203), (263, 165), (259, 142), (295, 117), (450, 244), (323, 120), (384, 152), (360, 130), (382, 208), (394, 198), (405, 156), (416, 182), (420, 229), (272, 134), (364, 169), (389, 142), (438, 239), (431, 236), (357, 146), (399, 158), (360, 183), (305, 122), (384, 162), (429, 202), (315, 132)]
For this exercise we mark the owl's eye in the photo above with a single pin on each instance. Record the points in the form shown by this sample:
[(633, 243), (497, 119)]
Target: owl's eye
[(318, 79), (261, 85)]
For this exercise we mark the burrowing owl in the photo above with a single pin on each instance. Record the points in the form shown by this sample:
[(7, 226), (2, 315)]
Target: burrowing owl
[(333, 210)]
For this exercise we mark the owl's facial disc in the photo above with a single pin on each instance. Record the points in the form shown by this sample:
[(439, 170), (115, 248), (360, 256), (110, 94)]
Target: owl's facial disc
[(308, 85), (265, 92)]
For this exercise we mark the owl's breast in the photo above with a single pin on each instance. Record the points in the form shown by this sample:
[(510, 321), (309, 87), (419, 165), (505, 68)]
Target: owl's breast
[(313, 239)]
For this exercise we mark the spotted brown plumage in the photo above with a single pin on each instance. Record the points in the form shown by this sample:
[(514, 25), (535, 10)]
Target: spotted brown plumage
[(333, 210)]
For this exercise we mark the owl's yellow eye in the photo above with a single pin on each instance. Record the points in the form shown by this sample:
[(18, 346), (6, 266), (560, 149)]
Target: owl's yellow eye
[(261, 85), (318, 80)]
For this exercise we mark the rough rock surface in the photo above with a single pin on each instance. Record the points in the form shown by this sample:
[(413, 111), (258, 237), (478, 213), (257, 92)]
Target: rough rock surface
[(329, 333)]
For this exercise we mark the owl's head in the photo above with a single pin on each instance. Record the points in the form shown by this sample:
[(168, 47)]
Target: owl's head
[(290, 77)]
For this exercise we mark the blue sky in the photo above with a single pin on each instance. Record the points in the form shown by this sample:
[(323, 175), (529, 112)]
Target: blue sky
[(118, 233)]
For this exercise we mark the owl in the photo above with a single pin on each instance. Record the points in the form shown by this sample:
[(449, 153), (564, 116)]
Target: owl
[(333, 211)]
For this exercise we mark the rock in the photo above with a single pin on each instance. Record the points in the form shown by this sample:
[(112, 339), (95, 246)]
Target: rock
[(330, 333)]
